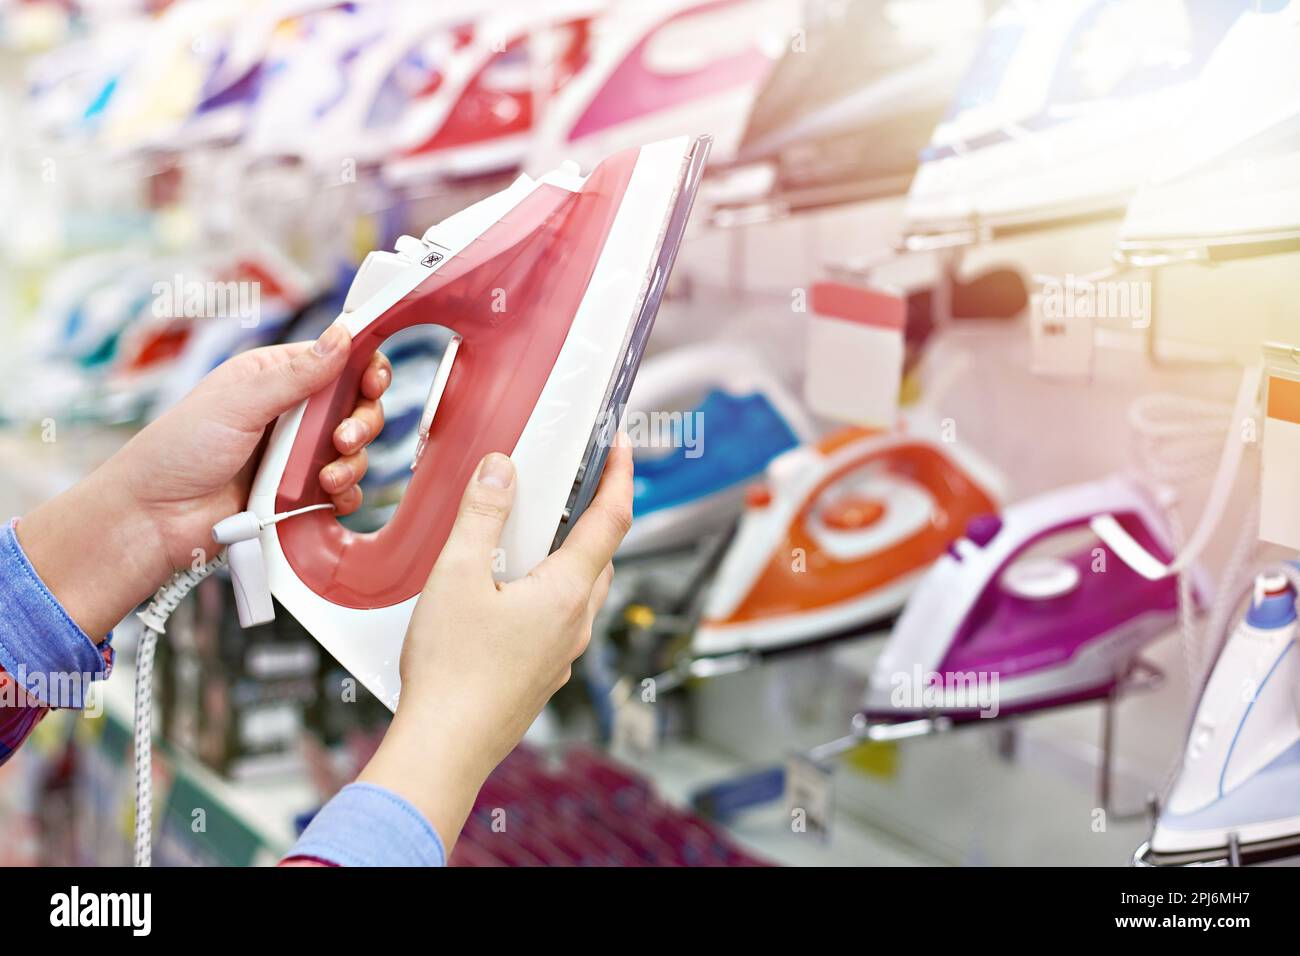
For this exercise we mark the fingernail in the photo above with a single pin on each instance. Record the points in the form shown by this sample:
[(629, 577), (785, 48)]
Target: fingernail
[(330, 340), (496, 471), (621, 439), (349, 432), (335, 475), (385, 377)]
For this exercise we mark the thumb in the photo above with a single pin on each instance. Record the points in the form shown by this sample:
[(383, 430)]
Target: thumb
[(472, 544), (279, 387)]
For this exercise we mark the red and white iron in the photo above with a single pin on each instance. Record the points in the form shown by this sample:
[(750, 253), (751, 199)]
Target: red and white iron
[(550, 288)]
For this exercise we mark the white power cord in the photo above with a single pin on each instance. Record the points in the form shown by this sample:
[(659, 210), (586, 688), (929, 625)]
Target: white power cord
[(235, 530), (154, 618), (1180, 440), (1236, 573)]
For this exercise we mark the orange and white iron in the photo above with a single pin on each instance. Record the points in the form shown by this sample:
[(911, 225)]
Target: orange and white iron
[(834, 540)]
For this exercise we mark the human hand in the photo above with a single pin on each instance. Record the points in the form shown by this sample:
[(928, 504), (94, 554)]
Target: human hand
[(481, 658), (109, 542), (194, 465)]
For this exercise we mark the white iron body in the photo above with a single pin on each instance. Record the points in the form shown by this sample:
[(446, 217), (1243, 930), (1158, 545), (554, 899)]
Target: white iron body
[(661, 383), (791, 479), (949, 28), (1085, 164), (1232, 176), (1241, 769), (550, 449)]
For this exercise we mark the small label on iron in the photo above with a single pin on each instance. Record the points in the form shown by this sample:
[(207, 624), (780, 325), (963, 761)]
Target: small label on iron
[(432, 259), (636, 730), (809, 796)]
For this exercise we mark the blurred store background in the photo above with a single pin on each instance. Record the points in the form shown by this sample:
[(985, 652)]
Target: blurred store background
[(1009, 206)]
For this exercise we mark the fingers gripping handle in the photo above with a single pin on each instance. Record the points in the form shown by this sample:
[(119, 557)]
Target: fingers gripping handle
[(313, 446)]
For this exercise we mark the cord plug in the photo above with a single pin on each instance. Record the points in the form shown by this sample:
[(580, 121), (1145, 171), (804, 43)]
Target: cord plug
[(241, 527), (246, 525), (248, 575)]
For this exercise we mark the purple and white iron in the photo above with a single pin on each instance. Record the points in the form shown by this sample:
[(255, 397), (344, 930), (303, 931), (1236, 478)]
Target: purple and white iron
[(1029, 610)]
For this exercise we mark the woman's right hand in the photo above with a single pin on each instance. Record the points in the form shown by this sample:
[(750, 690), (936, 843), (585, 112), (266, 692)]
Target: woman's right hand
[(481, 658)]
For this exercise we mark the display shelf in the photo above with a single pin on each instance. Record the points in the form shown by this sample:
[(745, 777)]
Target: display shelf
[(268, 807), (957, 799), (678, 769)]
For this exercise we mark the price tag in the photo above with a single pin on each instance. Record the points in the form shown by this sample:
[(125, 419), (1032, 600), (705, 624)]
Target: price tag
[(1279, 513), (855, 353), (1062, 341), (636, 730), (809, 796)]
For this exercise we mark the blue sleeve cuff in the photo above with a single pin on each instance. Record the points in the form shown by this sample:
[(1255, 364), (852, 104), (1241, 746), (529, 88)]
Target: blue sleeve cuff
[(42, 648), (366, 825)]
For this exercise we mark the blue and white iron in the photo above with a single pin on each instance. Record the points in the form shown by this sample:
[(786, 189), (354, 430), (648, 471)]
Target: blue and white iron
[(724, 415), (1237, 795)]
